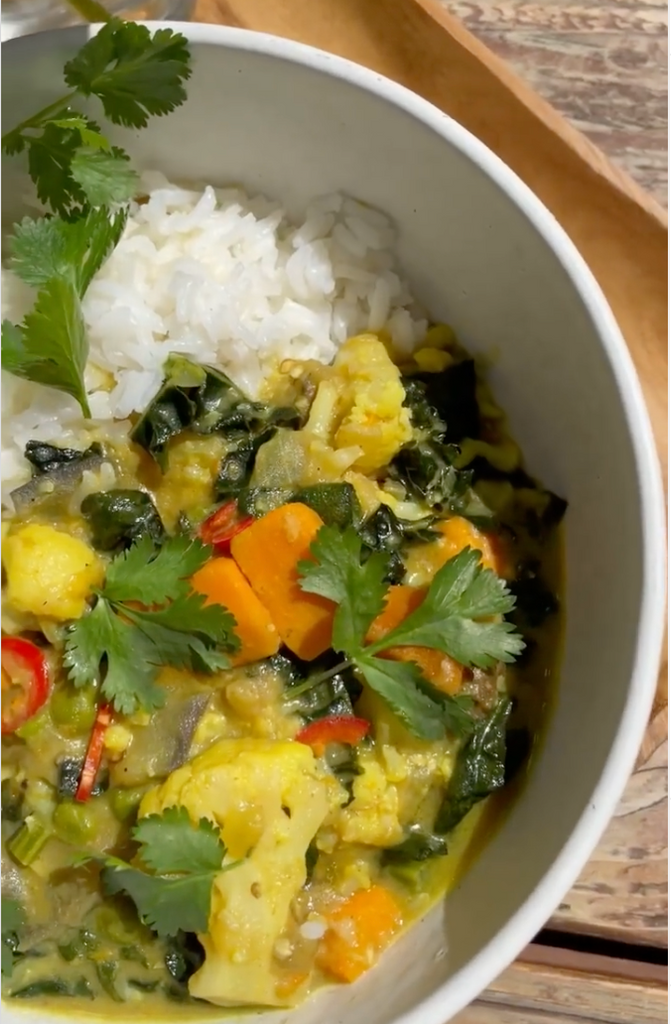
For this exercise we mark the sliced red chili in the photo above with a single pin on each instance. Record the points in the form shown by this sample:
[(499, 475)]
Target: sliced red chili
[(94, 753), (25, 682), (222, 526), (334, 729)]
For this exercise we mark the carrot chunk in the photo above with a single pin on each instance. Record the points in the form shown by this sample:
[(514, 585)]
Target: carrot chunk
[(268, 553), (221, 582), (358, 930)]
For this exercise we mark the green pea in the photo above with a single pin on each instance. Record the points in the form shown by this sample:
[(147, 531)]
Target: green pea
[(73, 711), (125, 802), (74, 823)]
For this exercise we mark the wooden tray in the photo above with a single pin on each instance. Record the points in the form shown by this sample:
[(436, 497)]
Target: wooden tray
[(619, 229)]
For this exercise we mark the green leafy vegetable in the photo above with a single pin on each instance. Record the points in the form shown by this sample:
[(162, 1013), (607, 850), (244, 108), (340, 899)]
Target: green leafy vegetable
[(448, 398), (336, 504), (45, 458), (118, 518), (13, 920), (146, 615), (205, 400), (480, 768), (54, 987), (384, 531), (534, 600), (419, 845), (455, 617), (184, 860)]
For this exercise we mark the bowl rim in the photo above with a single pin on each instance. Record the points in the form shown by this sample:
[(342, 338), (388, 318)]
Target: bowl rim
[(466, 984)]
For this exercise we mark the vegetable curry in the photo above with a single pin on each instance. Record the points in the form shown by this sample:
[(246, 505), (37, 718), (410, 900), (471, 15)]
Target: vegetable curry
[(270, 671)]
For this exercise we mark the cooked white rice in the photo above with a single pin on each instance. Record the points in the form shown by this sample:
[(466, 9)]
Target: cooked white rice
[(222, 277)]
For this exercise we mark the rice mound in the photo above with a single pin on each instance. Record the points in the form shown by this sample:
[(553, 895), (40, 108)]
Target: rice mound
[(221, 277)]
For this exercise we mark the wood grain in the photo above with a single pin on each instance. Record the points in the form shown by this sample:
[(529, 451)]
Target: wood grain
[(623, 892), (574, 989), (603, 65)]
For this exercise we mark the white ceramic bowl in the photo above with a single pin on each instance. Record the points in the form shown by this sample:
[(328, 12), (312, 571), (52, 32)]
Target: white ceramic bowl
[(485, 255)]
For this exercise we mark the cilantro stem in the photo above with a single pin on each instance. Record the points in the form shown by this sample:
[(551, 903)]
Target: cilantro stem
[(91, 10), (37, 120), (313, 681)]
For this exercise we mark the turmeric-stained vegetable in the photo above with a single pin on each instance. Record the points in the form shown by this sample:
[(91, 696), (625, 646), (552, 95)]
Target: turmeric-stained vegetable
[(441, 670), (49, 573), (358, 930), (221, 582), (268, 553)]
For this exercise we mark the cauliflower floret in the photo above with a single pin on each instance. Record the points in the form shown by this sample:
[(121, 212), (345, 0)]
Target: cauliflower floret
[(372, 817), (377, 419), (49, 573), (268, 799), (357, 418)]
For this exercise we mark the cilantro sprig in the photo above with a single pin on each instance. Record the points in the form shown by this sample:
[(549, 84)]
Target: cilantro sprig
[(457, 616), (174, 870), (83, 179), (146, 615)]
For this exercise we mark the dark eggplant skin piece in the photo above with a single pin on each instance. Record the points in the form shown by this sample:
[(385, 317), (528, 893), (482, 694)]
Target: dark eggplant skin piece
[(54, 475)]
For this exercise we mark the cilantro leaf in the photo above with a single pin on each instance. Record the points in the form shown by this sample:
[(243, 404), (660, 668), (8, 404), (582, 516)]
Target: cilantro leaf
[(449, 619), (104, 178), (186, 858), (134, 74), (89, 132), (170, 843), (13, 919), (175, 647), (49, 247), (102, 648), (399, 683), (49, 165), (152, 575), (166, 905), (50, 347), (339, 575), (120, 646), (460, 595)]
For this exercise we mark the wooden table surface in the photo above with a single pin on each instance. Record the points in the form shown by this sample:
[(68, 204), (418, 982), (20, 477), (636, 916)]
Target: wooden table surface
[(602, 64)]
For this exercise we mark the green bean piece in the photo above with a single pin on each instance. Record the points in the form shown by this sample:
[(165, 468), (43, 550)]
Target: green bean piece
[(83, 943), (33, 727), (74, 823), (125, 802), (54, 987), (134, 955), (106, 971), (143, 986), (73, 711), (27, 843)]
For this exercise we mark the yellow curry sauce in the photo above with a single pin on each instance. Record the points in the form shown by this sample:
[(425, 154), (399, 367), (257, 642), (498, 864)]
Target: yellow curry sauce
[(334, 846)]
